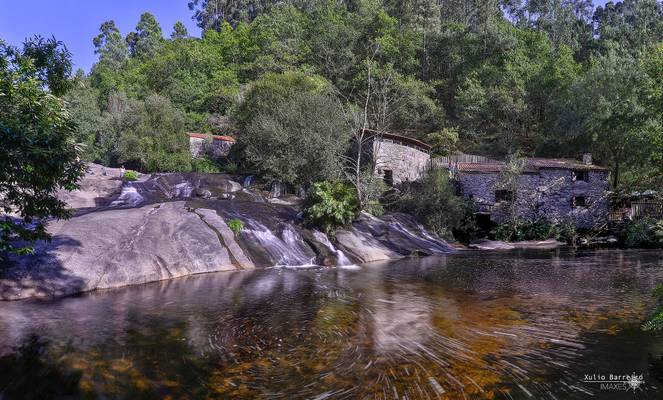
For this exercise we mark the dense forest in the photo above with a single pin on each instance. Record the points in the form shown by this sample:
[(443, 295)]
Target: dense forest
[(545, 77), (294, 81)]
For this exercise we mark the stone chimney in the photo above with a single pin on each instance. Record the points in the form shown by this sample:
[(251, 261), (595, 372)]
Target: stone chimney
[(587, 158)]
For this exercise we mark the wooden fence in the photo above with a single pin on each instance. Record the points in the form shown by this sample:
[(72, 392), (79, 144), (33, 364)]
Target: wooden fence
[(443, 162), (642, 209)]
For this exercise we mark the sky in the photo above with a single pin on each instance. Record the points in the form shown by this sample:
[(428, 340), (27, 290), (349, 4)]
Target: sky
[(76, 22)]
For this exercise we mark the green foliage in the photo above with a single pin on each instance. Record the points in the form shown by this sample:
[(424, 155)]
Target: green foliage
[(433, 202), (206, 165), (655, 321), (330, 205), (293, 131), (130, 176), (519, 230), (38, 155), (643, 233), (236, 225)]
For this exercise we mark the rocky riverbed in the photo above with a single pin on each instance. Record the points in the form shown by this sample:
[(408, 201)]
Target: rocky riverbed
[(166, 226)]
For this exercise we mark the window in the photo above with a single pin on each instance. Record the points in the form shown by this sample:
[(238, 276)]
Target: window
[(503, 195), (581, 176), (579, 201)]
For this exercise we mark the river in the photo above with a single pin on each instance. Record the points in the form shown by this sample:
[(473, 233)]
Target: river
[(472, 325)]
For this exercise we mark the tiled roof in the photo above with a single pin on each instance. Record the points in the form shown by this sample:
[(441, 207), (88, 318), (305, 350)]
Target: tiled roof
[(533, 166), (399, 138), (214, 137)]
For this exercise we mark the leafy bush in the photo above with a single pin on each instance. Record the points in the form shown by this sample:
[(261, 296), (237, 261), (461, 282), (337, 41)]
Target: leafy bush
[(205, 165), (519, 230), (655, 321), (643, 233), (236, 225), (330, 205), (433, 202), (130, 176)]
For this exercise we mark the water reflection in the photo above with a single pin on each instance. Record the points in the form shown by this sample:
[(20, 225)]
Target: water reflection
[(475, 325)]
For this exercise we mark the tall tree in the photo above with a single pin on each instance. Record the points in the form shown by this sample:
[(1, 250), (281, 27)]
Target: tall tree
[(179, 31), (147, 40), (110, 45)]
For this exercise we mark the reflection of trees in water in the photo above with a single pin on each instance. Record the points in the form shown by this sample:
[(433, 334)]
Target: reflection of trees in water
[(385, 331), (30, 373)]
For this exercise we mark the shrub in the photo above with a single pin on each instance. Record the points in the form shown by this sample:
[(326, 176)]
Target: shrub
[(519, 230), (433, 202), (130, 176), (643, 233), (330, 205), (236, 225), (205, 165), (655, 321)]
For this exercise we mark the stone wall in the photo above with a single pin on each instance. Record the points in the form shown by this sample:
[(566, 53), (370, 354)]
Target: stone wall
[(406, 163), (548, 194), (207, 147)]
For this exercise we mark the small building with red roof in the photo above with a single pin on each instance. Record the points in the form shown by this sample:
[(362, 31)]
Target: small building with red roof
[(204, 144)]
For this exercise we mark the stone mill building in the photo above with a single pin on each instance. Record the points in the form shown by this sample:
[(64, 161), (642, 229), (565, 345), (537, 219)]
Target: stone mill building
[(562, 190), (556, 189)]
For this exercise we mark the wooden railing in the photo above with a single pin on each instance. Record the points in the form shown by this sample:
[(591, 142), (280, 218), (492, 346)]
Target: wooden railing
[(443, 162), (642, 209)]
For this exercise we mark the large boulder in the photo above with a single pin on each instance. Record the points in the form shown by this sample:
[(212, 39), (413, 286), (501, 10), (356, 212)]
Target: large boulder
[(113, 248)]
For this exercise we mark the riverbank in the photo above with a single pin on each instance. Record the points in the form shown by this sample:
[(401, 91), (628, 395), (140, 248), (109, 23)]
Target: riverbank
[(166, 226)]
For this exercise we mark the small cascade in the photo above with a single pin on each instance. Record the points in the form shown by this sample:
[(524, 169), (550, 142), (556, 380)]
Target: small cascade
[(427, 241), (182, 190), (248, 181), (283, 252), (277, 190), (341, 259), (128, 197)]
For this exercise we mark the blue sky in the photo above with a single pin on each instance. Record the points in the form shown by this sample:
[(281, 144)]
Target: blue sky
[(76, 22)]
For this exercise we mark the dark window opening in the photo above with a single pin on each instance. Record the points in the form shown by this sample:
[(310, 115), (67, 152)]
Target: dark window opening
[(389, 177), (579, 201), (503, 195), (581, 176)]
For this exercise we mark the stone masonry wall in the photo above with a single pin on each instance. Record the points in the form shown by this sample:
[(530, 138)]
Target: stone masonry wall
[(406, 163), (215, 148), (548, 195)]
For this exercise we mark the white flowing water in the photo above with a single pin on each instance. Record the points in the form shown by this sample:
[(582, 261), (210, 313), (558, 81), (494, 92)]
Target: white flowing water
[(341, 259), (285, 251), (128, 197)]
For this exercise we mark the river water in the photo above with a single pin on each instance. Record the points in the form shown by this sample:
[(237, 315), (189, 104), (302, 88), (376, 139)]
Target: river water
[(473, 325)]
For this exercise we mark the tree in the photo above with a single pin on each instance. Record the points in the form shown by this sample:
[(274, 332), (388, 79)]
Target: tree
[(146, 41), (293, 130), (38, 155), (81, 102), (611, 112), (146, 135), (179, 31), (110, 46), (52, 62)]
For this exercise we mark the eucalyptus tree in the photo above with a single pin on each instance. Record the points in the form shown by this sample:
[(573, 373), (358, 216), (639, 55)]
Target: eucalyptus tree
[(147, 40), (110, 45)]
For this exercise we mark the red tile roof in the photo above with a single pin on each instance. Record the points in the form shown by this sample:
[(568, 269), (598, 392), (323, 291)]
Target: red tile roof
[(533, 166), (214, 137)]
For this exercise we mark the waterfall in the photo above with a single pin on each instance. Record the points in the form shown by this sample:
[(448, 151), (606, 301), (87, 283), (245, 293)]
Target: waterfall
[(128, 197), (248, 181), (287, 251), (341, 259)]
